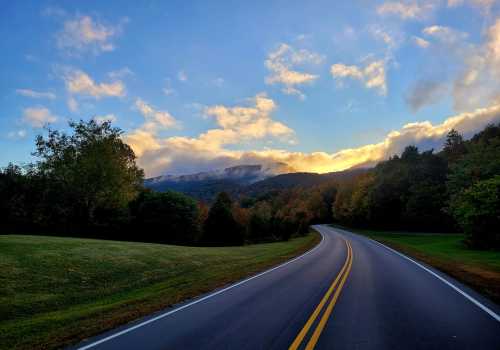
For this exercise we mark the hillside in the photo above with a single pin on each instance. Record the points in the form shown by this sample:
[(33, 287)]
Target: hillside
[(56, 291), (249, 180)]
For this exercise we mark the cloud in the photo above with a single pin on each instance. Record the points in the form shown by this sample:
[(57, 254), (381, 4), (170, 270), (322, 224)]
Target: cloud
[(421, 42), (470, 70), (120, 73), (372, 75), (219, 82), (407, 10), (80, 83), (236, 125), (72, 104), (179, 155), (426, 92), (445, 34), (182, 76), (483, 5), (154, 119), (281, 64), (478, 82), (36, 94), (105, 118), (17, 134), (84, 34), (386, 37), (38, 117)]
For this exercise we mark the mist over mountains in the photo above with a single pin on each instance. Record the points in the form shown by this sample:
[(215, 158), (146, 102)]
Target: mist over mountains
[(241, 180)]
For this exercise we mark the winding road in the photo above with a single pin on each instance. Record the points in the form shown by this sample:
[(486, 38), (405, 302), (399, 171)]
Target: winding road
[(348, 292)]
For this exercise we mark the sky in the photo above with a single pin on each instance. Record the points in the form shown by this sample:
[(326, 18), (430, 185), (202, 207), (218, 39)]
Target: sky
[(313, 86)]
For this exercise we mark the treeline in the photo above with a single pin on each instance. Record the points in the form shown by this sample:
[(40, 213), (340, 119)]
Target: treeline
[(457, 189), (87, 184)]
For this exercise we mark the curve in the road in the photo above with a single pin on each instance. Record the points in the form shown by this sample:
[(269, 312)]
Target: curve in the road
[(199, 300), (379, 299)]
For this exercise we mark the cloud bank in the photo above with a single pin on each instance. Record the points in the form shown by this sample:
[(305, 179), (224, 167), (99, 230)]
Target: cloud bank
[(239, 124)]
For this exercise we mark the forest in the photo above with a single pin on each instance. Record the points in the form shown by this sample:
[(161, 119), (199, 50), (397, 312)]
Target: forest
[(87, 184)]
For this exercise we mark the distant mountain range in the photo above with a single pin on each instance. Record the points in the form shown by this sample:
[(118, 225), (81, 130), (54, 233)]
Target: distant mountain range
[(243, 180)]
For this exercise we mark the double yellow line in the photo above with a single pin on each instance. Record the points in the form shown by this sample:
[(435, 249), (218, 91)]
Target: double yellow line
[(342, 276)]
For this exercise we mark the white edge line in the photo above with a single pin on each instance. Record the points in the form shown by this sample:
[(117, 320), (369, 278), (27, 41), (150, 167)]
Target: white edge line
[(168, 313), (458, 290)]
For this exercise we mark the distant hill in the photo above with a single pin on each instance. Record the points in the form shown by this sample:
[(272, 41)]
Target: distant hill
[(249, 180), (206, 185), (304, 180)]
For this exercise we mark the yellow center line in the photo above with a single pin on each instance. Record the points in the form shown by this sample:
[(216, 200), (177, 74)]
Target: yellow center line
[(322, 323), (298, 340)]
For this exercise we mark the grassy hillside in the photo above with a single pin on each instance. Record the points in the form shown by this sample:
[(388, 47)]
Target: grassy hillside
[(56, 291), (478, 268)]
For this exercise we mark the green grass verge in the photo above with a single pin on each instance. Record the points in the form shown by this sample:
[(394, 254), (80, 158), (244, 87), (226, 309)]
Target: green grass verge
[(56, 291), (477, 268)]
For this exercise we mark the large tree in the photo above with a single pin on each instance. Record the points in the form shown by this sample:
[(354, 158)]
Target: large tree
[(92, 168)]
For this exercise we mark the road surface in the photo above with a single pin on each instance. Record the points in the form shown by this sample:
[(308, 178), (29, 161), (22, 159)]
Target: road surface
[(348, 292)]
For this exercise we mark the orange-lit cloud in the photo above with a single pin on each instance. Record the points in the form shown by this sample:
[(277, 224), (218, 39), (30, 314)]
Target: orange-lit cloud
[(208, 151)]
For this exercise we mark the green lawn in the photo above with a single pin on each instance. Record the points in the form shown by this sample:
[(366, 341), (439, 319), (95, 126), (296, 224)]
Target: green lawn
[(478, 268), (55, 291)]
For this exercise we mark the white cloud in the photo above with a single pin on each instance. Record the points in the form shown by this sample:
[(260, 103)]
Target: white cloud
[(80, 83), (373, 75), (120, 73), (181, 155), (236, 125), (219, 82), (154, 120), (168, 91), (477, 84), (421, 42), (408, 10), (84, 34), (36, 94), (445, 34), (38, 117), (281, 64), (105, 118), (72, 104), (17, 134), (390, 39), (182, 76), (483, 5)]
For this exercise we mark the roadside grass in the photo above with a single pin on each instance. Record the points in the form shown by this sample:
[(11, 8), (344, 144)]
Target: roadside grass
[(477, 268), (56, 291)]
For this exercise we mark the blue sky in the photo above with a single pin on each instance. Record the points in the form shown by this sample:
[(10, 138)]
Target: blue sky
[(195, 85)]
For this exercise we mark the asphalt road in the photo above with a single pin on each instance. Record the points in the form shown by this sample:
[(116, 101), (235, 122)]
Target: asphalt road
[(329, 298)]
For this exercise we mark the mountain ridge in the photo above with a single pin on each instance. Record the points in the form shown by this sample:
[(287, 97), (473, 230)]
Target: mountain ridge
[(243, 180)]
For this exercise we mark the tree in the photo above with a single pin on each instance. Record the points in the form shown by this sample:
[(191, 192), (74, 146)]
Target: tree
[(454, 146), (477, 210), (93, 170), (220, 227), (167, 217)]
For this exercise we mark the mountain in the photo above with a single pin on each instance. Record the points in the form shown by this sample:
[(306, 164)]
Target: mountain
[(249, 180), (206, 185), (304, 180)]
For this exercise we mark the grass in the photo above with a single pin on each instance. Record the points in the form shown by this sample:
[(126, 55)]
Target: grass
[(477, 268), (56, 291)]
